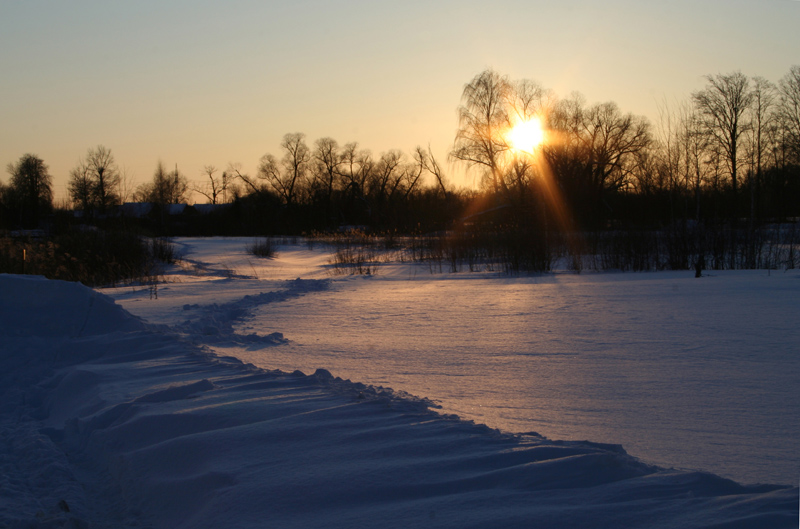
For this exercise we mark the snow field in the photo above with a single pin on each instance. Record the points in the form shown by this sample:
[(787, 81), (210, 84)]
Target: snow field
[(683, 372), (106, 421)]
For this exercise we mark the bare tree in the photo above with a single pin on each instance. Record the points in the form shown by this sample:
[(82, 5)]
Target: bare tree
[(723, 104), (326, 161), (165, 188), (482, 122), (764, 97), (126, 185), (412, 174), (106, 177), (566, 153), (611, 139), (789, 111), (30, 189), (355, 169), (386, 175), (234, 173), (215, 189), (428, 162), (81, 188), (761, 117), (527, 99), (94, 182), (670, 145), (269, 169), (491, 106), (288, 176), (680, 151), (697, 158), (595, 152)]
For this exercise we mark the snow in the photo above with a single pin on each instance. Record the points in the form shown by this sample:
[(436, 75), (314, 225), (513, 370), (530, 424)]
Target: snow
[(615, 358), (113, 420)]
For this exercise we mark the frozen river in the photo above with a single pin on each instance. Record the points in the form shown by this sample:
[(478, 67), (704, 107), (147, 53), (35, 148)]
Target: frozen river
[(682, 372)]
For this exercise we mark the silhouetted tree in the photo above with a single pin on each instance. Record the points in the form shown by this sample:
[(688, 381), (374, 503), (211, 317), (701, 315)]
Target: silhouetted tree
[(761, 119), (166, 187), (789, 112), (482, 122), (491, 106), (231, 188), (30, 190), (81, 188), (697, 160), (216, 188), (127, 186), (288, 176), (723, 105), (595, 152), (356, 168), (426, 159), (4, 200), (94, 182), (385, 176), (325, 167)]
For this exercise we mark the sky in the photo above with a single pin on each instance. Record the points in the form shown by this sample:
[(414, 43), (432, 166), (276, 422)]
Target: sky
[(195, 83)]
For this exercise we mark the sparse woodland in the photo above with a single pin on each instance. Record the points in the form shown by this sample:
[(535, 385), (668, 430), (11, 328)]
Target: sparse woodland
[(714, 183)]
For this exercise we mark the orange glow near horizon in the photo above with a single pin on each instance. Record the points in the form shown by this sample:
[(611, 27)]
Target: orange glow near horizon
[(526, 135)]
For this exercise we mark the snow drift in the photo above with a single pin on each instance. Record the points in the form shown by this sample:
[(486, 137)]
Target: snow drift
[(106, 422)]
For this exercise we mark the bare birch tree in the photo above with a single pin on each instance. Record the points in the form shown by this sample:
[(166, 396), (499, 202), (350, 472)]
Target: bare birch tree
[(723, 104)]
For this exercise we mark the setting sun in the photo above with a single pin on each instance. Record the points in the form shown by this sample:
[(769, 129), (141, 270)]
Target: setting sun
[(526, 135)]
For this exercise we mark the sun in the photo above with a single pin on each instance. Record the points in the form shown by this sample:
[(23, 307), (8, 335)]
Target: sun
[(526, 135)]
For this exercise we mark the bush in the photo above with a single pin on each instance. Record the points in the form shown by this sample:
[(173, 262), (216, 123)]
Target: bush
[(163, 250), (262, 248)]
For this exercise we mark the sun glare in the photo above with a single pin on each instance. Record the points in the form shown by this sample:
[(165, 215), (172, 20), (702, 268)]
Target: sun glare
[(526, 135)]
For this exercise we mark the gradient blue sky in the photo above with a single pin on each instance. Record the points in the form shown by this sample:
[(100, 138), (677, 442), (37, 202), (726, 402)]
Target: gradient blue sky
[(203, 82)]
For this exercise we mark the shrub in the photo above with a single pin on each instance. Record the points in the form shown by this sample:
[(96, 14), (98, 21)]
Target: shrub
[(93, 257), (262, 248), (163, 250)]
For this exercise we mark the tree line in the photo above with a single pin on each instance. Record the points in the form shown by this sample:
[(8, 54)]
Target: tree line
[(696, 189), (729, 155), (732, 151)]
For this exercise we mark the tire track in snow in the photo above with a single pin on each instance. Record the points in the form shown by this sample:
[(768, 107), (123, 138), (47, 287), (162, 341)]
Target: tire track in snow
[(214, 324)]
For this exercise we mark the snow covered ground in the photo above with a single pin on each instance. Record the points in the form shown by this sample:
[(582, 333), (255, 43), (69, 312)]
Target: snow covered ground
[(107, 420), (683, 372)]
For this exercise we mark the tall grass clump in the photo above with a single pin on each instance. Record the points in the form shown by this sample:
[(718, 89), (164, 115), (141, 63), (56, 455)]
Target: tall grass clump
[(494, 247), (355, 253), (262, 248), (681, 247), (163, 250)]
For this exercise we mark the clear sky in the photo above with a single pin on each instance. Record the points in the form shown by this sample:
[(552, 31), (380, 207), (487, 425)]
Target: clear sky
[(204, 82)]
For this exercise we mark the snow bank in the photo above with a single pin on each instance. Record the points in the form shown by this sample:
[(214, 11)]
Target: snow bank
[(35, 306), (106, 423)]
